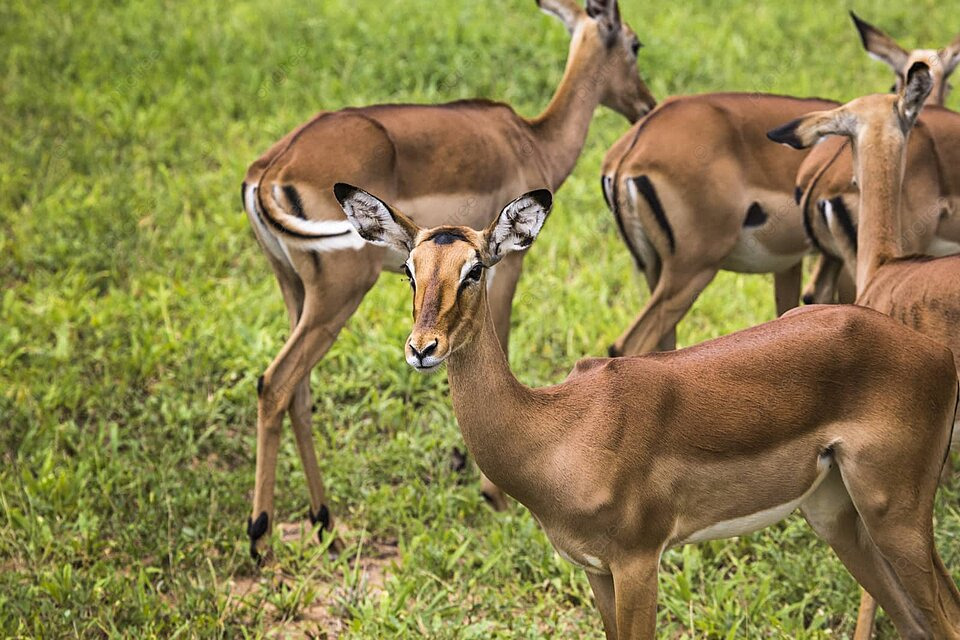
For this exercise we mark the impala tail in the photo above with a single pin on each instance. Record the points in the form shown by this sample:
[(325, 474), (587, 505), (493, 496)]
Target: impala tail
[(280, 221)]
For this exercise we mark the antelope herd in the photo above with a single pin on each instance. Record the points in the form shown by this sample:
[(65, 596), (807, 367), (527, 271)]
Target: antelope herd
[(846, 412)]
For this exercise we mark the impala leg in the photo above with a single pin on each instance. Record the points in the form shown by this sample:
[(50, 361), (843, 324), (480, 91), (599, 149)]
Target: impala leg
[(671, 299), (500, 298), (635, 586), (301, 418), (898, 517), (822, 288), (669, 340), (786, 288), (603, 595), (866, 616), (832, 515), (331, 296)]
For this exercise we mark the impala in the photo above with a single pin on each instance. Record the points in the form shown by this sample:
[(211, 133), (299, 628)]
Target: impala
[(921, 292), (445, 163), (931, 189), (630, 456), (695, 187)]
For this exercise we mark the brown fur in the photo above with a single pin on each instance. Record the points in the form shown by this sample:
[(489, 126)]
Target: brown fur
[(921, 292), (707, 176), (630, 456), (446, 163), (932, 186)]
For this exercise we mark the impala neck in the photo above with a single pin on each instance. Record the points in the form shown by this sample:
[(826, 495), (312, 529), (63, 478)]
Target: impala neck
[(881, 178), (496, 414), (561, 130)]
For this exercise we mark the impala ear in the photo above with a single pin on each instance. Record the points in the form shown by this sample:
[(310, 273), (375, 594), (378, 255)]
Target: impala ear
[(915, 90), (568, 12), (807, 130), (951, 56), (607, 15), (881, 46), (517, 225), (374, 220)]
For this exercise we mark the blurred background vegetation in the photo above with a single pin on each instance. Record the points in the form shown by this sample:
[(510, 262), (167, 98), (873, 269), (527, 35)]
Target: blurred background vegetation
[(136, 313)]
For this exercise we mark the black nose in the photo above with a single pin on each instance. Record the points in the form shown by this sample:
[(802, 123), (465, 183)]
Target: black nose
[(427, 350)]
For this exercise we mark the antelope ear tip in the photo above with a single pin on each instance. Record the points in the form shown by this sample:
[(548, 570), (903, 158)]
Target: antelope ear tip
[(342, 191), (543, 197)]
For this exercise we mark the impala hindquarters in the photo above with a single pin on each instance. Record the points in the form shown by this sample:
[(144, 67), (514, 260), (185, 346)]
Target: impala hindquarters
[(696, 187)]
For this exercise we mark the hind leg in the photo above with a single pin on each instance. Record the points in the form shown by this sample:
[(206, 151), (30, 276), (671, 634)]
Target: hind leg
[(831, 513), (824, 281), (673, 296), (897, 513), (331, 295)]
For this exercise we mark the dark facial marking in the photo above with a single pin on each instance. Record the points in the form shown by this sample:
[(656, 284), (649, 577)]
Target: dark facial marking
[(259, 386), (645, 187), (755, 216), (447, 237), (295, 202)]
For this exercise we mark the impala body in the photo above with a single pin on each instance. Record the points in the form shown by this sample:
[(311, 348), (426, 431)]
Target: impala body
[(921, 292), (449, 163), (696, 187), (931, 188), (630, 456)]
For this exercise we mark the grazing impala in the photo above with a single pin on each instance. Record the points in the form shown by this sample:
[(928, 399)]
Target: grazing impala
[(931, 189), (630, 456), (445, 163), (921, 292)]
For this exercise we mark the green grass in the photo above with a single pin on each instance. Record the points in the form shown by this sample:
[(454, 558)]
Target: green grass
[(136, 313)]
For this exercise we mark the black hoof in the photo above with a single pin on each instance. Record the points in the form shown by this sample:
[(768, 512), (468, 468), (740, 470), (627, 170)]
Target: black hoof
[(808, 299), (321, 517), (613, 352), (255, 530)]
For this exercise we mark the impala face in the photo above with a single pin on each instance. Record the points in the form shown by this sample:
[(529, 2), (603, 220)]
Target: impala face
[(447, 266), (603, 40)]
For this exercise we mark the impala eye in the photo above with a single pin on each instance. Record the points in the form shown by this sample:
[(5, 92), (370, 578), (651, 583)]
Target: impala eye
[(635, 47), (406, 270), (475, 272)]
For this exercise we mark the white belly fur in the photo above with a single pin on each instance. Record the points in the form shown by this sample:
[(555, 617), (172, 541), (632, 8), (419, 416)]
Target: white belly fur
[(755, 521), (750, 255)]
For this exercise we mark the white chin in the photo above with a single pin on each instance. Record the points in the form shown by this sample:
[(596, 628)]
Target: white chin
[(429, 367)]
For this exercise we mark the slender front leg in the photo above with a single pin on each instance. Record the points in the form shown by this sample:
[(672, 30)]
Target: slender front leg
[(603, 595), (786, 288), (635, 586), (865, 616)]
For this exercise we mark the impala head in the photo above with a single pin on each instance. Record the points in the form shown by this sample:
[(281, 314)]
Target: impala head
[(942, 62), (602, 40), (447, 266), (872, 121)]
